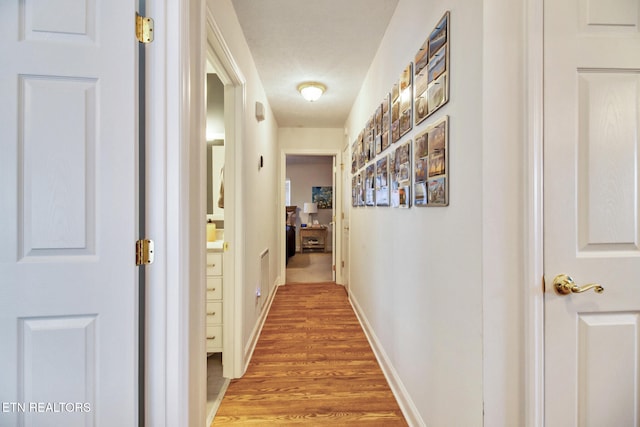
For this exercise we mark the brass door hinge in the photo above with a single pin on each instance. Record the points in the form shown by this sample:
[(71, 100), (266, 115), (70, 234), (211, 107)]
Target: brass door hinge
[(333, 267), (144, 252), (144, 29)]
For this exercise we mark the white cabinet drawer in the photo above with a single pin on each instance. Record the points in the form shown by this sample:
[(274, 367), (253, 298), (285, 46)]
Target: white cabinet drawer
[(214, 338), (214, 312), (214, 264), (214, 288)]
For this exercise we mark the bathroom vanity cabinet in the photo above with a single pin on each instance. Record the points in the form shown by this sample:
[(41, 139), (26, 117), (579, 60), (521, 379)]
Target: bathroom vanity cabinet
[(214, 300)]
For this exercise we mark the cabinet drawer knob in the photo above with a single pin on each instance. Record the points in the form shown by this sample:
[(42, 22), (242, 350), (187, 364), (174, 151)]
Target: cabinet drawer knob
[(212, 289), (211, 338), (211, 313), (212, 265)]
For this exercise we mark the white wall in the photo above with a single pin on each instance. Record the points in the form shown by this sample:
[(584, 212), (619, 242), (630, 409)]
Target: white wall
[(505, 192), (418, 277), (259, 187), (310, 139)]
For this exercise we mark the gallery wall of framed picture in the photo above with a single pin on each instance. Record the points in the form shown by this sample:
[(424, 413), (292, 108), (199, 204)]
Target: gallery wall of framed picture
[(389, 169)]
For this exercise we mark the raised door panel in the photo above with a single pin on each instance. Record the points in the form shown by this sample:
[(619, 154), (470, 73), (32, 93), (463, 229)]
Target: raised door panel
[(608, 155), (57, 205), (608, 382), (58, 368)]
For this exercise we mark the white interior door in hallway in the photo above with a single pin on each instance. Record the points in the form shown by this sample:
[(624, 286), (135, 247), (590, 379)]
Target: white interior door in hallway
[(346, 206), (591, 208), (68, 204)]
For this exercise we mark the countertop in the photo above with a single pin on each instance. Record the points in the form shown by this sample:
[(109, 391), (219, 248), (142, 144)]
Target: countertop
[(216, 245)]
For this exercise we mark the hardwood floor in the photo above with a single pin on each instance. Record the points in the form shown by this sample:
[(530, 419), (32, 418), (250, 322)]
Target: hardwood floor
[(312, 365)]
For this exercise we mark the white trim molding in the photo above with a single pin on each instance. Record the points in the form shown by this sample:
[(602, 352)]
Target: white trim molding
[(337, 206), (234, 83), (175, 395), (533, 233)]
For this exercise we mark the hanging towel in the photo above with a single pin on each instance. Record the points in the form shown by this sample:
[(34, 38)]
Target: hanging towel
[(221, 197)]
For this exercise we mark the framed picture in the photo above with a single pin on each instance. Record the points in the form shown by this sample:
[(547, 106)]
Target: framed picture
[(431, 71), (437, 149), (406, 100), (393, 181), (368, 136), (359, 190), (378, 129), (404, 196), (437, 192), (354, 191), (440, 34), (400, 172), (323, 196), (370, 185), (431, 169), (382, 182), (360, 150), (386, 122), (421, 95), (354, 156), (420, 189), (395, 113)]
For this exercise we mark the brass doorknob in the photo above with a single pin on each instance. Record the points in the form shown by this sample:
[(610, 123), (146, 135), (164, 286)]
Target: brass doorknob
[(564, 285)]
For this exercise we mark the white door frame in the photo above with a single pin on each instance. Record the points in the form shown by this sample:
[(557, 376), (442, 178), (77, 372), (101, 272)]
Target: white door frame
[(337, 208), (533, 223), (175, 391), (229, 73), (513, 301), (344, 245)]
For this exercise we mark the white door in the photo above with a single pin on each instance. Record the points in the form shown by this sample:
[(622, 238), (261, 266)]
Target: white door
[(592, 224), (334, 242), (346, 208), (68, 213)]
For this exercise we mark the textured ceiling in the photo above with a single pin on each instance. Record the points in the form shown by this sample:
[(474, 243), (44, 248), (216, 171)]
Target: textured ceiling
[(329, 41)]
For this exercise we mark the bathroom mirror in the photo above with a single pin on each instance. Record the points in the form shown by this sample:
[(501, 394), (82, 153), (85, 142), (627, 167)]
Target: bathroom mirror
[(215, 145), (215, 193)]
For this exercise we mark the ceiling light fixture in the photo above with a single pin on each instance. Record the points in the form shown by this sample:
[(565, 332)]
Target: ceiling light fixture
[(311, 91)]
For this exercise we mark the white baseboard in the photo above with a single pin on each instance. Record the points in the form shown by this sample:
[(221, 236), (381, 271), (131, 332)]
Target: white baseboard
[(255, 334), (407, 406)]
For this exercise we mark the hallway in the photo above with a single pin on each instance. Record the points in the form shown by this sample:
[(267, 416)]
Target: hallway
[(312, 364), (309, 268)]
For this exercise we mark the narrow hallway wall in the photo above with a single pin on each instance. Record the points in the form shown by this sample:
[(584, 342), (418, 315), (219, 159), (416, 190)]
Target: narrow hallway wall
[(259, 186), (416, 274)]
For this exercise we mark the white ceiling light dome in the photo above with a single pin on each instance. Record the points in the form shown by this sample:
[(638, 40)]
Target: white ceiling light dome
[(311, 91)]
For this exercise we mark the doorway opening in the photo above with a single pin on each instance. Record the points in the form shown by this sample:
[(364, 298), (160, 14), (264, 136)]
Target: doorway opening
[(215, 159), (224, 272), (310, 212)]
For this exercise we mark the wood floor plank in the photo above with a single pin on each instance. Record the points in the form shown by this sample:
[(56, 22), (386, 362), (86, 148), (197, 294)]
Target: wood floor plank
[(312, 365)]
